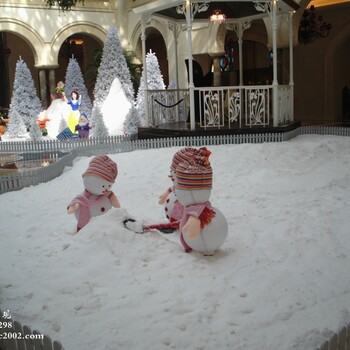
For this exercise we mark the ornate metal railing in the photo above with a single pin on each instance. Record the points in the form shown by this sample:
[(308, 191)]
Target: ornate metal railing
[(224, 106)]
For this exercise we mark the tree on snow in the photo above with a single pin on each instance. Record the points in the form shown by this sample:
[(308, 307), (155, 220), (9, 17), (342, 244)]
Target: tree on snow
[(132, 121), (34, 131), (16, 126), (99, 128), (75, 81), (113, 65), (154, 82), (24, 100)]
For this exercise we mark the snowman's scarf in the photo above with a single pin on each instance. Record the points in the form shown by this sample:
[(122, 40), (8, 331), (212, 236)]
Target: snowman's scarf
[(84, 204)]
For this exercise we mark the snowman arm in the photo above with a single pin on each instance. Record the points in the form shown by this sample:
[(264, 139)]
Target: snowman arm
[(114, 200), (192, 227), (72, 208), (164, 196)]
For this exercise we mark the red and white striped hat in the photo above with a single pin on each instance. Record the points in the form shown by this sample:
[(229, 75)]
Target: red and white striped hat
[(191, 155), (193, 177), (183, 156), (104, 167)]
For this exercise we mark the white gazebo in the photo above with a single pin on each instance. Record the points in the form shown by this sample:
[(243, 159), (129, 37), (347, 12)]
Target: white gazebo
[(221, 106)]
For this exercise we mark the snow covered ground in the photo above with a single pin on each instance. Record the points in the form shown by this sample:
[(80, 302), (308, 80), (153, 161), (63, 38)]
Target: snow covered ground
[(280, 281)]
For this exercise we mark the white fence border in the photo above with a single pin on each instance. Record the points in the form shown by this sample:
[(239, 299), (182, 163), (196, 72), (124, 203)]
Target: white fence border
[(118, 144)]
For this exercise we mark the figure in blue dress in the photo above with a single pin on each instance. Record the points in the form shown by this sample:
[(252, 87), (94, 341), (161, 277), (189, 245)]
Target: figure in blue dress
[(74, 102)]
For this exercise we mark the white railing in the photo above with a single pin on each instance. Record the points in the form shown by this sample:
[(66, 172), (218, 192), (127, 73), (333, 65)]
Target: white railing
[(64, 152), (222, 106), (325, 130)]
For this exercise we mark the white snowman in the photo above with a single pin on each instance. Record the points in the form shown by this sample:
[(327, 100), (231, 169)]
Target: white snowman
[(97, 197), (172, 207), (203, 228)]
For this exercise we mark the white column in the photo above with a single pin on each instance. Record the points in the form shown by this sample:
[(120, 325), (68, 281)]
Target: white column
[(190, 65), (176, 29), (52, 80), (143, 41), (291, 65), (274, 50), (239, 28), (43, 89), (240, 52)]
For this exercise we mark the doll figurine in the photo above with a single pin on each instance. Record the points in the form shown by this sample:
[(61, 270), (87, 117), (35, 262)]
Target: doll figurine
[(74, 102), (203, 228), (97, 197), (83, 127)]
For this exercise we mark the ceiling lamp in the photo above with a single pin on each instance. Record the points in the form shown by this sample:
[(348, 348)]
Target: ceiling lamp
[(217, 17)]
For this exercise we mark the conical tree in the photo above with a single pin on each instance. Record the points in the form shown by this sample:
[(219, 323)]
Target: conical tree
[(154, 82), (75, 81), (113, 65), (24, 100), (16, 126), (34, 131), (132, 121), (99, 128)]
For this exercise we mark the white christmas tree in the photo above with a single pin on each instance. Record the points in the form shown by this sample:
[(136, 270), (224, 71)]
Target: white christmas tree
[(114, 92), (132, 122), (34, 131), (75, 81), (98, 126), (24, 101), (113, 65), (16, 126), (154, 82)]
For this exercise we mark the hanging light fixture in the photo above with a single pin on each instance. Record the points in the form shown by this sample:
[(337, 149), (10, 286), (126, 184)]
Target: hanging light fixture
[(217, 17), (312, 27)]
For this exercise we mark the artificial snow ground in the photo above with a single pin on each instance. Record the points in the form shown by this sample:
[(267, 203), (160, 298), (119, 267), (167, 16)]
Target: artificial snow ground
[(280, 281)]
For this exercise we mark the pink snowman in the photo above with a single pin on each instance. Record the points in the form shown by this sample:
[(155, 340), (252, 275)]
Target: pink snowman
[(97, 197), (203, 228), (172, 207)]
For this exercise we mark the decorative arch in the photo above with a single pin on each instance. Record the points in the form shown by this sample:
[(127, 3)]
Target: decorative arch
[(28, 34), (136, 34), (82, 27)]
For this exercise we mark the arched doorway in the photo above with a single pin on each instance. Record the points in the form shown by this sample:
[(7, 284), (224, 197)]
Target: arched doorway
[(87, 51), (256, 57), (156, 43), (13, 47)]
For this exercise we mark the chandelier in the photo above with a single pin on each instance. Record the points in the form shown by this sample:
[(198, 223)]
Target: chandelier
[(217, 17), (311, 28)]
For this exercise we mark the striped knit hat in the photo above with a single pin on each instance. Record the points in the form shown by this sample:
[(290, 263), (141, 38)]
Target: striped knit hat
[(193, 177), (182, 156), (201, 157), (104, 167)]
